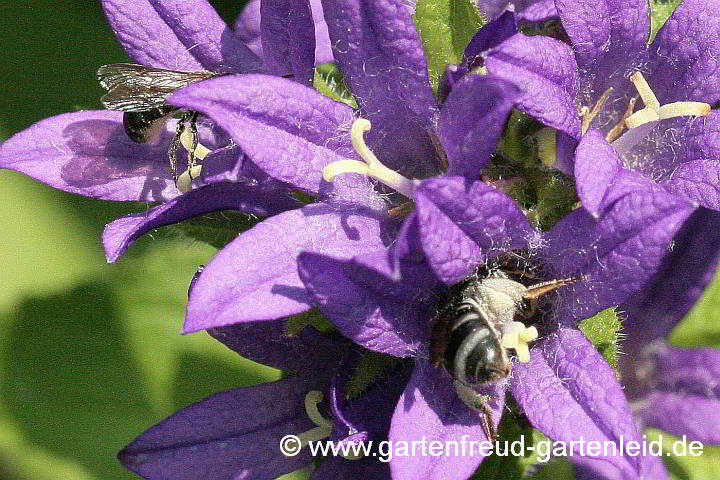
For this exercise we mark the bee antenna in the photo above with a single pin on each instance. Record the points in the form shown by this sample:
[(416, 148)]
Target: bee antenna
[(538, 290)]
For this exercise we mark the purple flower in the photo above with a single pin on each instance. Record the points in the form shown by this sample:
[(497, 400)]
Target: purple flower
[(237, 433), (310, 142), (89, 153), (385, 301), (607, 71), (526, 10)]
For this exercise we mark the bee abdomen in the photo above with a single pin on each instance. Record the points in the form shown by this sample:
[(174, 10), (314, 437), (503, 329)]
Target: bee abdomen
[(473, 354)]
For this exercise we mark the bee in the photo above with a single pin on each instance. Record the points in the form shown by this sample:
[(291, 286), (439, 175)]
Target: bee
[(140, 92), (482, 319)]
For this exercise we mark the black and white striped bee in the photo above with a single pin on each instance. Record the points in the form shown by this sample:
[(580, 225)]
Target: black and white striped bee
[(139, 92), (481, 321)]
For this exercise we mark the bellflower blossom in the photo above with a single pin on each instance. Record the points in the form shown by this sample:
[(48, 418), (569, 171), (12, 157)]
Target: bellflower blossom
[(639, 226), (89, 153), (307, 140), (236, 433), (385, 301)]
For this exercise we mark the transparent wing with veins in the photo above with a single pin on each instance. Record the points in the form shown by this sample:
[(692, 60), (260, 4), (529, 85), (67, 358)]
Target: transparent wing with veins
[(138, 88)]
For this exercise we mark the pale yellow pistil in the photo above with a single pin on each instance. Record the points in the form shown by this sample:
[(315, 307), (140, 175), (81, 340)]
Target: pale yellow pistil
[(184, 181), (370, 166), (323, 427), (653, 111), (517, 336)]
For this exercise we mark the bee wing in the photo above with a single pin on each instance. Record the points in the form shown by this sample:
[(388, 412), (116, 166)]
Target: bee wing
[(133, 88)]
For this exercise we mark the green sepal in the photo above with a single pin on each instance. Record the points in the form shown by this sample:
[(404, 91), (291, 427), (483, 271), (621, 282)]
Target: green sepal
[(660, 11), (445, 27), (216, 228), (330, 82), (370, 369), (603, 331), (312, 318)]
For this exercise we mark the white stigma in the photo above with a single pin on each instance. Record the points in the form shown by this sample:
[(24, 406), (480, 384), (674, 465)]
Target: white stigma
[(370, 166), (323, 427), (653, 111), (184, 181), (517, 336)]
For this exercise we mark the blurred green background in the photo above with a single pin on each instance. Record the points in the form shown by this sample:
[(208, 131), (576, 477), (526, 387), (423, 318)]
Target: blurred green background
[(91, 353)]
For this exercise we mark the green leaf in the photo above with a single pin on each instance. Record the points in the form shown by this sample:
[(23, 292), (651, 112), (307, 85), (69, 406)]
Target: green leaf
[(684, 466), (330, 82), (603, 330), (445, 27), (216, 228), (660, 11)]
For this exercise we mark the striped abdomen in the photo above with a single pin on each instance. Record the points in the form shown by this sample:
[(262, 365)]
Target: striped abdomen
[(473, 353)]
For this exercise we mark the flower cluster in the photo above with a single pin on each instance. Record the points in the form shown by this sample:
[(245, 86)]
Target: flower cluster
[(372, 213)]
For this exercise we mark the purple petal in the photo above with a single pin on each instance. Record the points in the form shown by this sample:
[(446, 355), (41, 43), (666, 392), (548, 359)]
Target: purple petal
[(367, 303), (381, 56), (567, 378), (206, 36), (255, 277), (123, 232), (685, 272), (681, 414), (683, 57), (288, 130), (600, 174), (247, 27), (489, 36), (90, 154), (699, 181), (233, 434), (431, 410), (689, 371), (146, 37), (270, 344), (472, 121), (288, 38), (528, 10), (370, 412), (618, 253), (606, 35), (536, 10), (546, 71), (461, 227)]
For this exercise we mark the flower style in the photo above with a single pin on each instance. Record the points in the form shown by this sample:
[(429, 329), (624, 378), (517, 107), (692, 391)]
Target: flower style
[(89, 153), (237, 433)]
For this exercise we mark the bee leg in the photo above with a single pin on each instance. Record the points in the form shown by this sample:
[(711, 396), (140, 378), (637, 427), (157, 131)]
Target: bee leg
[(191, 119), (172, 151), (479, 403)]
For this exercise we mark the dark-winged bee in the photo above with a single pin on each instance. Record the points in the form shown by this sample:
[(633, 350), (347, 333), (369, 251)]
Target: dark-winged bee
[(482, 320), (140, 92)]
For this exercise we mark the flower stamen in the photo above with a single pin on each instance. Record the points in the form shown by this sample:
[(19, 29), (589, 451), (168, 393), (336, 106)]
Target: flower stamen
[(517, 336), (371, 166), (589, 116)]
